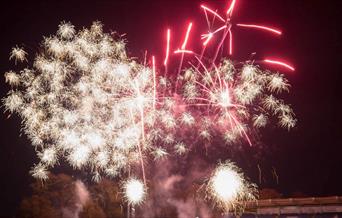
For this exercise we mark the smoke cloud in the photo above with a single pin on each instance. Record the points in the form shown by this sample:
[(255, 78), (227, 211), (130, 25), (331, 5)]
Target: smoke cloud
[(80, 199), (172, 196)]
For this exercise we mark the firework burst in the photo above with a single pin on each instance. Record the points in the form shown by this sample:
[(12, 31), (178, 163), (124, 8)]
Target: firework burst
[(134, 191), (228, 189), (83, 100), (236, 99)]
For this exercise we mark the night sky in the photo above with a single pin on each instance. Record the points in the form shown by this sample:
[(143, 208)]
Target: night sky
[(307, 159)]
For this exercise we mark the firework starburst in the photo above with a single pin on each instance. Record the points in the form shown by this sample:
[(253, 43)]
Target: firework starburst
[(228, 189)]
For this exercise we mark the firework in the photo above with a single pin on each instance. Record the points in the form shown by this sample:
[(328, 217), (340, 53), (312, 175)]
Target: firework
[(134, 191), (228, 188), (275, 31), (168, 37), (83, 100), (18, 54), (236, 99), (280, 63), (183, 48)]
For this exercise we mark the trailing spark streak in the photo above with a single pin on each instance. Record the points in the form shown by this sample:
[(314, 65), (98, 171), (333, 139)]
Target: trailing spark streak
[(213, 12), (228, 30), (168, 36), (211, 34), (186, 38), (183, 51), (276, 31), (230, 42), (208, 38), (231, 8), (280, 63), (154, 83)]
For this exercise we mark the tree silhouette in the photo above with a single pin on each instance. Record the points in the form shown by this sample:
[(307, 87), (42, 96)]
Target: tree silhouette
[(58, 197)]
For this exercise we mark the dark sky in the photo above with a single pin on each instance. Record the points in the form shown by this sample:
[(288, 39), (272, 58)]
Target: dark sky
[(307, 159)]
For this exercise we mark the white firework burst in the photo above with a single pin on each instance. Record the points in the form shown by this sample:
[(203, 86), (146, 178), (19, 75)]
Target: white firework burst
[(134, 191), (83, 100), (228, 188), (18, 54), (235, 98)]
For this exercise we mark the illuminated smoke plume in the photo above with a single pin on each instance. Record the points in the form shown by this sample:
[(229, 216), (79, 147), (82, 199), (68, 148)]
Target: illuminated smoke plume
[(81, 198)]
